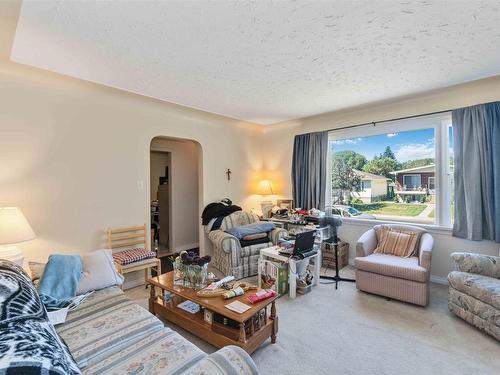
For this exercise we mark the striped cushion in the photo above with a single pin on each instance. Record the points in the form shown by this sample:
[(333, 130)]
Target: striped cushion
[(162, 352), (397, 242), (237, 219), (390, 265), (103, 324), (132, 255)]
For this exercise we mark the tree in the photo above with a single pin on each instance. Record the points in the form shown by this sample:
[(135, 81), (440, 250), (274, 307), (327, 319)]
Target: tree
[(344, 179), (388, 153), (417, 163), (381, 166), (352, 158)]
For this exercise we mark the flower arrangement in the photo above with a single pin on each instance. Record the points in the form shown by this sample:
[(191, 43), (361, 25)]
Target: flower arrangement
[(191, 270)]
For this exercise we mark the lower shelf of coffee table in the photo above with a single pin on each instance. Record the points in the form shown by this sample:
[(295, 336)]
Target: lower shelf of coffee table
[(195, 324)]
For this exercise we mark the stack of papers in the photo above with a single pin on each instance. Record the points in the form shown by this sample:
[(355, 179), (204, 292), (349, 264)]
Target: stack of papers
[(238, 307)]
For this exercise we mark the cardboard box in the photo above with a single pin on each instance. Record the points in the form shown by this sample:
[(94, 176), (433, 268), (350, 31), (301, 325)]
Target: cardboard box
[(275, 276)]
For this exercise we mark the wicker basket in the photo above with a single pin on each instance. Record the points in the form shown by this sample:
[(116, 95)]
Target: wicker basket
[(328, 255)]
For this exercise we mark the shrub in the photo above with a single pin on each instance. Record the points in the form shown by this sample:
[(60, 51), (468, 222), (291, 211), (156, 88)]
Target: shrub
[(357, 201), (423, 199)]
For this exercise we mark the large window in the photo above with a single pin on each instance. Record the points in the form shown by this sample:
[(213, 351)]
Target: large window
[(394, 171)]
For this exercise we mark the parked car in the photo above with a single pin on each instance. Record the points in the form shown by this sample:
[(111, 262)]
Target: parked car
[(348, 211)]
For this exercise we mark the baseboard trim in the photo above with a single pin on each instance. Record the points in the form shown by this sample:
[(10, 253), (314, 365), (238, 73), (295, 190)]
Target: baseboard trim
[(188, 246), (434, 279)]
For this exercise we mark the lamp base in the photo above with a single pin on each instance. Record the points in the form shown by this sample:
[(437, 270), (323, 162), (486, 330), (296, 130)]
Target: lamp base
[(12, 253)]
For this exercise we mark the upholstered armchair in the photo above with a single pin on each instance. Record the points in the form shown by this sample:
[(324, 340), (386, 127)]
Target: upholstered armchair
[(230, 257), (474, 293), (404, 279)]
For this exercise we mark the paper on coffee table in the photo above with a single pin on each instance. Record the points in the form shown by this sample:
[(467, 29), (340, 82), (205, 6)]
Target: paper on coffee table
[(238, 307)]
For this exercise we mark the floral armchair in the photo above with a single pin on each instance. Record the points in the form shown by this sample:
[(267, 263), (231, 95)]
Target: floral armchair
[(230, 257)]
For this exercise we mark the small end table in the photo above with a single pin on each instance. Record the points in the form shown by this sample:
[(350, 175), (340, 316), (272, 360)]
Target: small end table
[(272, 253)]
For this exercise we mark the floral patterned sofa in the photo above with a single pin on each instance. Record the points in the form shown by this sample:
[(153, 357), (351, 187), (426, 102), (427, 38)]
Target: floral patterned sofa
[(474, 293), (110, 334)]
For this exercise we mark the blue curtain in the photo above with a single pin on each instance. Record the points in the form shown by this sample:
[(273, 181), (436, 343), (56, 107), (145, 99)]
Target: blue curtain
[(310, 152), (476, 146)]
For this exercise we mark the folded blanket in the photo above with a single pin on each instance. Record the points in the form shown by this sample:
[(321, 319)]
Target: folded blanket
[(254, 228), (60, 280)]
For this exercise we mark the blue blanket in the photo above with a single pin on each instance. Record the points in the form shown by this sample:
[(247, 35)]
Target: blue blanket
[(254, 228), (60, 280)]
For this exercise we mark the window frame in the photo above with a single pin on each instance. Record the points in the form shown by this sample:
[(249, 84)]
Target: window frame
[(412, 175), (440, 123)]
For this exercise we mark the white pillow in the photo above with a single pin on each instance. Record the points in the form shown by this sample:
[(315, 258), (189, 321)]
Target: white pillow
[(98, 272)]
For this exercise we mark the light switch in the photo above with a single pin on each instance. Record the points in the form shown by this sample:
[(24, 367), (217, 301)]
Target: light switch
[(140, 185)]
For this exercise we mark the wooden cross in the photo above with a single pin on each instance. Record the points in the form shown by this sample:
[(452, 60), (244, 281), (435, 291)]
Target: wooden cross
[(228, 172)]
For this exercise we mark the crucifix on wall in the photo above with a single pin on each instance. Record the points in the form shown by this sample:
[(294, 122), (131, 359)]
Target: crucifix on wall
[(228, 172)]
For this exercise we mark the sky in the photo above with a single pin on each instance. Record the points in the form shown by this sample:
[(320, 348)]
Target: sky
[(410, 145)]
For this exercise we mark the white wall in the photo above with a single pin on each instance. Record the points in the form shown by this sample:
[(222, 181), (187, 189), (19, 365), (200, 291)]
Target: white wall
[(184, 218), (278, 143), (73, 154)]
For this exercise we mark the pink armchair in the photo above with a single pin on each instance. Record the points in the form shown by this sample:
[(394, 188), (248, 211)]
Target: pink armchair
[(404, 279)]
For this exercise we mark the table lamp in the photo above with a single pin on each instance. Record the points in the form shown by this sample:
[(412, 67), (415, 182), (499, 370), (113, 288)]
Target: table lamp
[(14, 228), (265, 187)]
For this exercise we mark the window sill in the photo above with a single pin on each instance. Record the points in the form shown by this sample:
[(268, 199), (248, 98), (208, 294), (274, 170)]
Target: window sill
[(431, 228)]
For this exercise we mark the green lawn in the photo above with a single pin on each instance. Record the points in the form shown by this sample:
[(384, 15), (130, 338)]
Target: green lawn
[(390, 208), (433, 212)]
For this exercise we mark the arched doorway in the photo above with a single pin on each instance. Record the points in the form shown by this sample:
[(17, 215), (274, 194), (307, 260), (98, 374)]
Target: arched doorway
[(175, 190)]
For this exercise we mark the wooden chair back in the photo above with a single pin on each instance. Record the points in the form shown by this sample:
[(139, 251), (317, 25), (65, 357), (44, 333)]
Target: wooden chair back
[(129, 237)]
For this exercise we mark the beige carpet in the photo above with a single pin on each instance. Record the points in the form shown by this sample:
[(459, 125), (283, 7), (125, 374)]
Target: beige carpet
[(348, 332)]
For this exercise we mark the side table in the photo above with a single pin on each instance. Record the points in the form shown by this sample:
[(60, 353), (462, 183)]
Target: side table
[(271, 253)]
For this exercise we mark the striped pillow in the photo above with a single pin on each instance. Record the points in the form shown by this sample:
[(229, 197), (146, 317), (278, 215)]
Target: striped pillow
[(397, 242)]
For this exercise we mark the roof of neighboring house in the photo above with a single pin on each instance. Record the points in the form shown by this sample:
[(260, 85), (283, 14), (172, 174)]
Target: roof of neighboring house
[(369, 176), (423, 169)]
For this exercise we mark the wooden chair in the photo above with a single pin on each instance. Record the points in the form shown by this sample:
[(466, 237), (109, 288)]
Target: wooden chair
[(130, 237)]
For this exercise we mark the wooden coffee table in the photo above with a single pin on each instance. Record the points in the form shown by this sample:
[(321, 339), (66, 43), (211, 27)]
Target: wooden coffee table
[(254, 325)]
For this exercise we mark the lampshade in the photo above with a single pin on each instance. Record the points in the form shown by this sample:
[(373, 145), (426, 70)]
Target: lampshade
[(265, 187), (14, 227)]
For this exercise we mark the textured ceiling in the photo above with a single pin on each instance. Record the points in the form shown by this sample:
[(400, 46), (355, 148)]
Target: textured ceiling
[(264, 61)]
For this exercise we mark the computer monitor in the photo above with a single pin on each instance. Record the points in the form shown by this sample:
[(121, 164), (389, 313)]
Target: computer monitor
[(304, 242)]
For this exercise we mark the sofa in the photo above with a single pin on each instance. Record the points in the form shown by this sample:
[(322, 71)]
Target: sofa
[(474, 292), (404, 279), (230, 258), (106, 334)]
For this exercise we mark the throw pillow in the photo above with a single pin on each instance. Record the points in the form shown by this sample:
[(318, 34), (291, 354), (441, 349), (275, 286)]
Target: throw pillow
[(398, 243), (99, 272), (36, 271), (30, 344)]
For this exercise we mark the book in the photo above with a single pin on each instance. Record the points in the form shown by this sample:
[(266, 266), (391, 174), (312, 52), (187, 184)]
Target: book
[(238, 307), (261, 295), (189, 306)]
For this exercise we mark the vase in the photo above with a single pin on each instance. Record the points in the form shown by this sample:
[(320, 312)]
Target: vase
[(195, 276), (178, 273)]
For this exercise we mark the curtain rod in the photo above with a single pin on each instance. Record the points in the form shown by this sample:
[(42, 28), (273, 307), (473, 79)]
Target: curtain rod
[(374, 123)]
